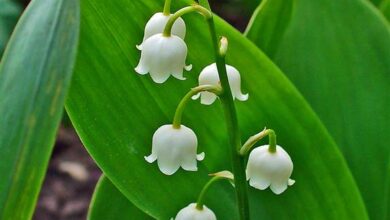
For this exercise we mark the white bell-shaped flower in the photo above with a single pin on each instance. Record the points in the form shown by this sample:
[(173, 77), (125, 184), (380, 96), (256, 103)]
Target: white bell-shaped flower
[(192, 213), (162, 56), (209, 76), (156, 25), (174, 147), (266, 169)]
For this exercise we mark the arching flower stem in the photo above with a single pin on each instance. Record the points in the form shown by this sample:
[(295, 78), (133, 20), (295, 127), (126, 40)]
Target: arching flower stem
[(224, 175), (167, 7), (257, 137), (193, 8), (180, 108)]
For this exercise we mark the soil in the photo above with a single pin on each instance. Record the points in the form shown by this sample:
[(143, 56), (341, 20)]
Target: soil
[(69, 182)]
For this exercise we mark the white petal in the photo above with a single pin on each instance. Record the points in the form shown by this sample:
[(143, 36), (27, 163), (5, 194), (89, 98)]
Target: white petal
[(290, 182), (235, 83), (200, 156), (207, 98), (174, 148), (139, 47), (188, 67), (278, 188), (167, 166), (189, 164), (259, 183), (194, 97), (141, 67), (156, 25), (266, 168), (179, 28), (242, 97), (151, 158), (178, 75), (164, 56), (209, 75), (191, 213), (159, 77)]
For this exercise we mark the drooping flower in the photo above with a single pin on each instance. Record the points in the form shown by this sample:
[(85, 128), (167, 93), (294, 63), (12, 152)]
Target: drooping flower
[(192, 213), (209, 76), (269, 169), (174, 147), (162, 56), (156, 25)]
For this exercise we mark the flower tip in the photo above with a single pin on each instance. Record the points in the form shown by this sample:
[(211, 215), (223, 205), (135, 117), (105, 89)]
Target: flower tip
[(290, 182), (243, 97), (139, 47), (200, 156), (159, 80), (140, 70), (167, 170), (151, 158), (195, 97), (179, 76), (188, 67), (279, 189)]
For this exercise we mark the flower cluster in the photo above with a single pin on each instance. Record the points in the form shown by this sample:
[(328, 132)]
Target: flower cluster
[(164, 53)]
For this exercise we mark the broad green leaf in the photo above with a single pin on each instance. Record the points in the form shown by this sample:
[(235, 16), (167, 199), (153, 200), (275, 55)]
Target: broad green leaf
[(9, 13), (271, 19), (375, 2), (34, 77), (116, 111), (385, 8), (337, 52), (109, 203)]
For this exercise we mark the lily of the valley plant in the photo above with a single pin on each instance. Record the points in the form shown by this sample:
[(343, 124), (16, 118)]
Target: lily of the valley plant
[(163, 53)]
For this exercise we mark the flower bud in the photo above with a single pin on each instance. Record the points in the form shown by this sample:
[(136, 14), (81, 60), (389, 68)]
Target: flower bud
[(156, 25), (162, 56), (266, 169), (174, 147), (209, 76), (192, 213)]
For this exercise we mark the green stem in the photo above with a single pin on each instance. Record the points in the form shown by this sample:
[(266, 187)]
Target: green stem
[(232, 128), (168, 27), (257, 137), (167, 7), (199, 203), (272, 141), (180, 108)]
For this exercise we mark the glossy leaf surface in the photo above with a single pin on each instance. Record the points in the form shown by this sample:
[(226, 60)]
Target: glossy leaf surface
[(109, 203), (116, 111), (34, 76), (9, 13), (337, 52)]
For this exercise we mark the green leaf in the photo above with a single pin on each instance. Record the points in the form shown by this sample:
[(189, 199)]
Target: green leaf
[(109, 203), (385, 9), (116, 111), (271, 20), (34, 77), (9, 13), (376, 2), (338, 55)]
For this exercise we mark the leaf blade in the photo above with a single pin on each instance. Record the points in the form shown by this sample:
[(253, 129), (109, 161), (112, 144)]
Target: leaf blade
[(343, 71), (34, 77), (109, 203), (115, 112)]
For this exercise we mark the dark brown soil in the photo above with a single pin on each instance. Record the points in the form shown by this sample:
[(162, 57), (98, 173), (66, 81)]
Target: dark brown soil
[(66, 193)]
